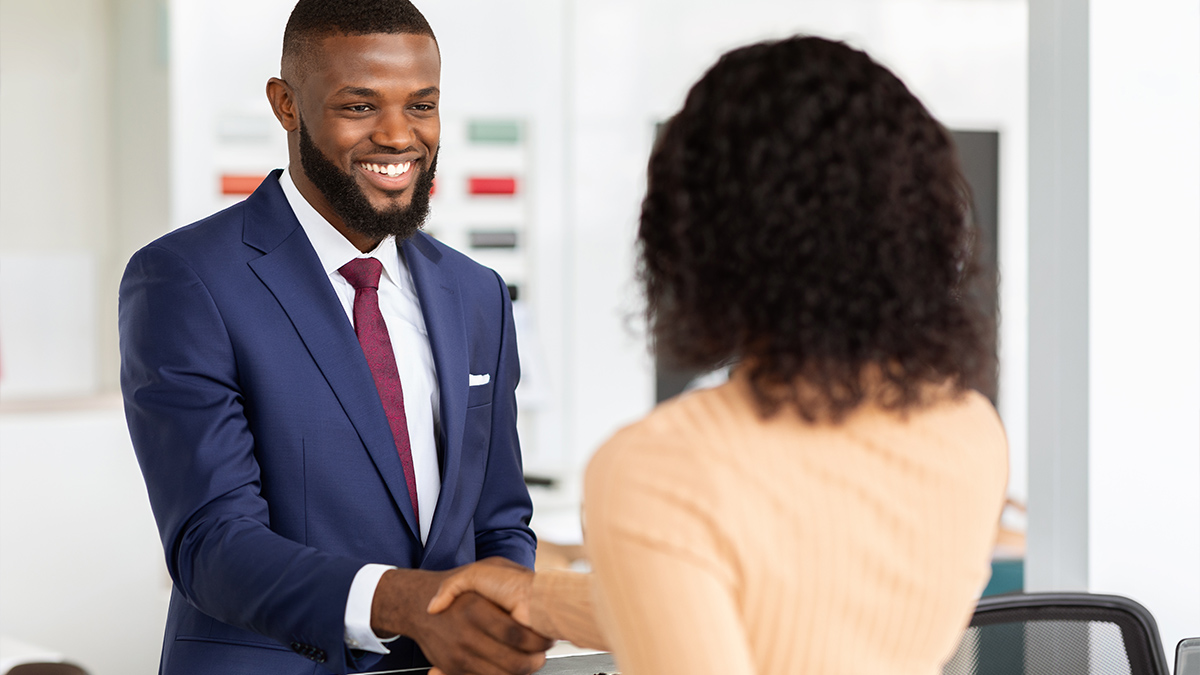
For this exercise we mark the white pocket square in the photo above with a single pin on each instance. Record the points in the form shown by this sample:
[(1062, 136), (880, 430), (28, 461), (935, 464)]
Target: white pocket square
[(476, 380)]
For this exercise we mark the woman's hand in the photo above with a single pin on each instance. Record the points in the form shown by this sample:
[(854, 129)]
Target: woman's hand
[(502, 581)]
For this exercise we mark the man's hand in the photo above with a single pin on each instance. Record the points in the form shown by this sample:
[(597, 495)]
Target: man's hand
[(471, 636), (500, 580)]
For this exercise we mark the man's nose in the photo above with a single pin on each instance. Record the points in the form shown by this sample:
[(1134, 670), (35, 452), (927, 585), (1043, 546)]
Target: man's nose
[(395, 131)]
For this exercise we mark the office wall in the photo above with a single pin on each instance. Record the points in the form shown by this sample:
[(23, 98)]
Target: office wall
[(82, 183), (55, 112), (1144, 278), (1115, 304), (81, 570)]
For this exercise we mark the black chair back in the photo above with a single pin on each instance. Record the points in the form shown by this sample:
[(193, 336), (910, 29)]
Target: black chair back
[(1059, 634)]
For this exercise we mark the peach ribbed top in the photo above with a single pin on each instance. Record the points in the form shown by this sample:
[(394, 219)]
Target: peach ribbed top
[(727, 544)]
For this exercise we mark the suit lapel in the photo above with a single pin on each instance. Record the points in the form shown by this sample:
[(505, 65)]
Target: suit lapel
[(292, 271), (441, 305)]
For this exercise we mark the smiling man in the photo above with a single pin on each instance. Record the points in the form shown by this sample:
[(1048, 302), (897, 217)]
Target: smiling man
[(321, 397)]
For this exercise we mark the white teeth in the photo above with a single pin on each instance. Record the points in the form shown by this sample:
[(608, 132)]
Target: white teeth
[(389, 170)]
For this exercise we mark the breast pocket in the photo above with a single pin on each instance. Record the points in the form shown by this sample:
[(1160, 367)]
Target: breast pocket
[(480, 394)]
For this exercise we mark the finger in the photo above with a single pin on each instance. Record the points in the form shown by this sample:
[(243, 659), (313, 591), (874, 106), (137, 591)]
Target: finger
[(471, 638), (498, 624), (450, 589), (539, 659), (479, 654), (501, 584), (496, 659)]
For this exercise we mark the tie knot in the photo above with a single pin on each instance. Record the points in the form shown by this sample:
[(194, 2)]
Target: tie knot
[(362, 272)]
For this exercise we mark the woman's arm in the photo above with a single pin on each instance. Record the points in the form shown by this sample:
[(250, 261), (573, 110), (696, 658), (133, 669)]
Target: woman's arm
[(667, 584)]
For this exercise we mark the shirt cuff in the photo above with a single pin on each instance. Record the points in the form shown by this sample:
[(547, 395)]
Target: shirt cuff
[(358, 610)]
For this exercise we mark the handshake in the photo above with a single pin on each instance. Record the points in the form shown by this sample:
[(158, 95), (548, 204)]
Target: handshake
[(472, 620)]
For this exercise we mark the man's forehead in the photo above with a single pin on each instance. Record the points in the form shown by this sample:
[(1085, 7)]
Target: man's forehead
[(338, 55)]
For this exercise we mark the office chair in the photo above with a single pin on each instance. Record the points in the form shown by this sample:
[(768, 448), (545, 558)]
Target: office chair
[(1187, 656), (1059, 634)]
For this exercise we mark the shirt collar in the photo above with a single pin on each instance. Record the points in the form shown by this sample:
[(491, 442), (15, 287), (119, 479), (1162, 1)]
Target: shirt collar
[(332, 248)]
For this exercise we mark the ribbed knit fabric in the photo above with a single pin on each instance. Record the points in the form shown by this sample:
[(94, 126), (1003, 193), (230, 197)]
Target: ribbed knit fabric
[(727, 544)]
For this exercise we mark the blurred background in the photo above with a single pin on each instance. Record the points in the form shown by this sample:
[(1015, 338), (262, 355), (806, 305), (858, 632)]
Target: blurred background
[(1079, 126)]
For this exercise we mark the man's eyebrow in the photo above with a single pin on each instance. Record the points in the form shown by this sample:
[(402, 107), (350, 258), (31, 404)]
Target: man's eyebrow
[(367, 92), (364, 92)]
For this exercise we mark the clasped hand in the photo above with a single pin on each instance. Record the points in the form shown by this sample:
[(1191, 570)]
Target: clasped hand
[(462, 632)]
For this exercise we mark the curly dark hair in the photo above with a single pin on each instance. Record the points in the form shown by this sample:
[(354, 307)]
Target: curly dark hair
[(807, 216), (314, 20)]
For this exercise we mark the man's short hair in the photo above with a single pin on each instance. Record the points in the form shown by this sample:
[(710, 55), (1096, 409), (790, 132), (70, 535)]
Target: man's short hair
[(314, 20)]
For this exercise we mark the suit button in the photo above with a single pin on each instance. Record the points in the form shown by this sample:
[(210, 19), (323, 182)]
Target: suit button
[(309, 652)]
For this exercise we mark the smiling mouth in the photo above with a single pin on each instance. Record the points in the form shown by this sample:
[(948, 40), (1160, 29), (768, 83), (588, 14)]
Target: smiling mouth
[(389, 170)]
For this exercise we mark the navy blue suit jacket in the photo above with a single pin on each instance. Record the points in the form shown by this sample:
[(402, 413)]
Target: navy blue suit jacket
[(269, 462)]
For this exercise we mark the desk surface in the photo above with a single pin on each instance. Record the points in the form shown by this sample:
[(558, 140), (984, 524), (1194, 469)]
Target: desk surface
[(574, 664)]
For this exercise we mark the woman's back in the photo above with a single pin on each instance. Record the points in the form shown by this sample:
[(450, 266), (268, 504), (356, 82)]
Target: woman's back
[(728, 543)]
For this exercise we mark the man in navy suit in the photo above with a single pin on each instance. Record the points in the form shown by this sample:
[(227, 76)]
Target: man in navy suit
[(305, 505)]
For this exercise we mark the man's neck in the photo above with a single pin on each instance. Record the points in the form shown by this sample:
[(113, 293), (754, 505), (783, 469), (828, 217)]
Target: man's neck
[(317, 199)]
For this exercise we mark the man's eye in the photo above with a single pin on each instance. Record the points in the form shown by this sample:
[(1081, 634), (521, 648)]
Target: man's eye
[(360, 107), (423, 107)]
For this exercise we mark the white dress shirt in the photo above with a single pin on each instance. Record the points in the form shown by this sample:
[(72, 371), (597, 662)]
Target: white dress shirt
[(414, 359)]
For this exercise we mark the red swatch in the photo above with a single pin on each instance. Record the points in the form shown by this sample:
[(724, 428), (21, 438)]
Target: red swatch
[(233, 184), (493, 186)]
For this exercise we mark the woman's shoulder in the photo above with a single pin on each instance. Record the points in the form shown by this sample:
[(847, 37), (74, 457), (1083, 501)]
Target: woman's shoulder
[(970, 415), (961, 431)]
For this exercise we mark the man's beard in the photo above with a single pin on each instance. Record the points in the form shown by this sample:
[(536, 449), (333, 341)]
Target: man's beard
[(351, 204)]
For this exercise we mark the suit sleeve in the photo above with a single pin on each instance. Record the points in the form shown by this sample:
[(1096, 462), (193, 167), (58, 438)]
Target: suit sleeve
[(186, 416), (504, 510)]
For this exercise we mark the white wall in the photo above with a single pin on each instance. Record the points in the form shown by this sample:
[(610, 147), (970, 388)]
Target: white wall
[(55, 112), (82, 570), (1144, 481), (81, 183), (1115, 304), (83, 134)]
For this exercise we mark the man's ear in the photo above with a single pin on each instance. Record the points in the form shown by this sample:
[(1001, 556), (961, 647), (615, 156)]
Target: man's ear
[(283, 102)]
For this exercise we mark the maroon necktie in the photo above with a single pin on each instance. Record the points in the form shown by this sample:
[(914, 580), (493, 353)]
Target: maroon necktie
[(363, 275)]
